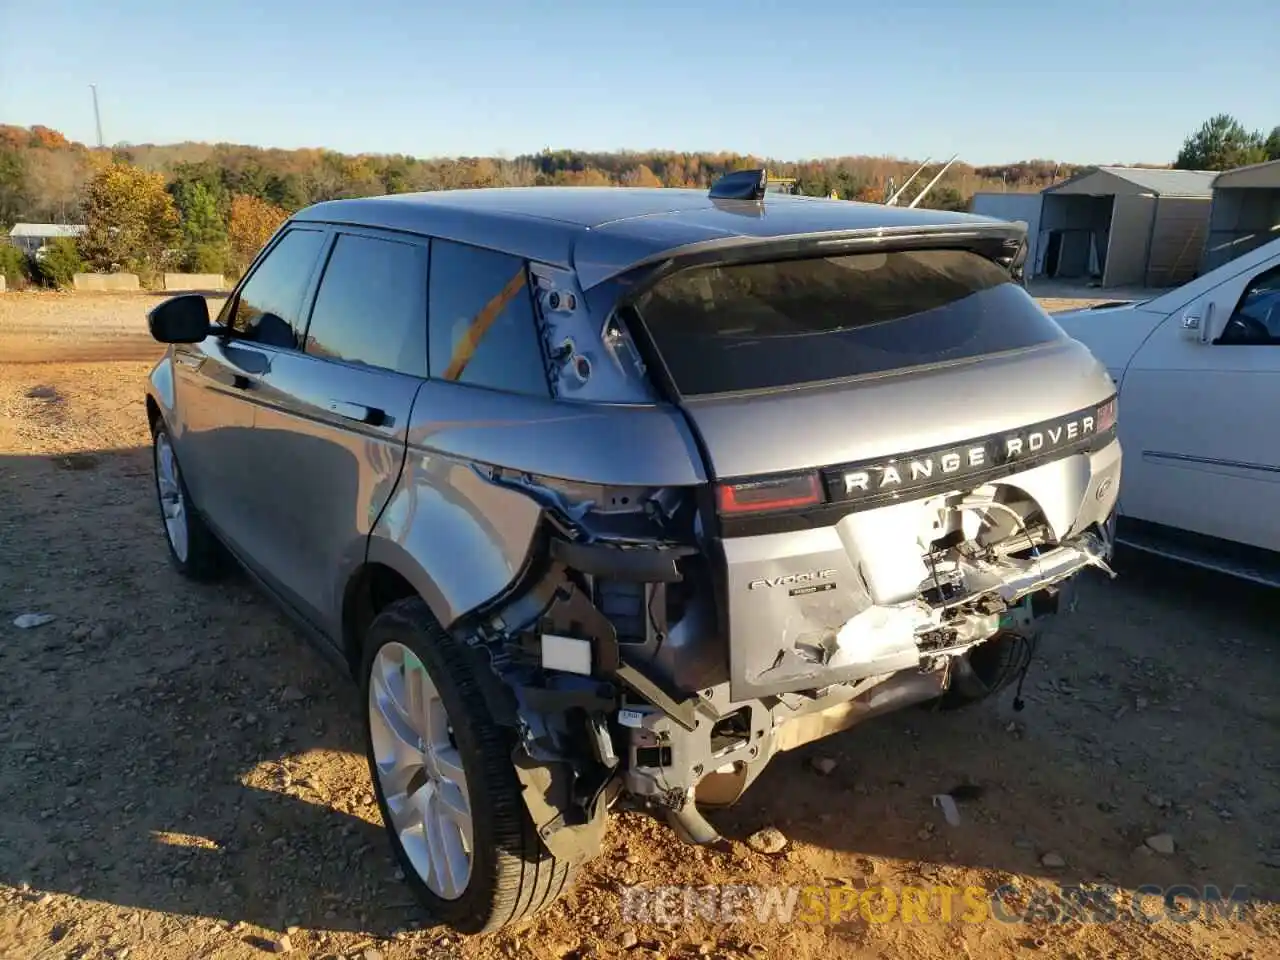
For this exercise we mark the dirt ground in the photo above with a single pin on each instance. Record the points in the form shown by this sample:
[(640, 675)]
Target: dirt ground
[(181, 773)]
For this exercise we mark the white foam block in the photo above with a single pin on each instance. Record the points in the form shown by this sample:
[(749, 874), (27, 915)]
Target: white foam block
[(566, 653)]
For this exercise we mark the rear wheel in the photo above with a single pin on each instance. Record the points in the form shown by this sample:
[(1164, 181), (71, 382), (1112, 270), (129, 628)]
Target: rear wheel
[(193, 548), (444, 781)]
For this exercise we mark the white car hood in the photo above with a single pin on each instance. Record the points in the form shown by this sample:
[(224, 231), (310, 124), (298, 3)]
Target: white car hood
[(1112, 334)]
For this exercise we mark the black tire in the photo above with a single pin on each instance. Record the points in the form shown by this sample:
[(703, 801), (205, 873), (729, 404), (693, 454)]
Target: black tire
[(206, 558), (984, 672), (513, 875)]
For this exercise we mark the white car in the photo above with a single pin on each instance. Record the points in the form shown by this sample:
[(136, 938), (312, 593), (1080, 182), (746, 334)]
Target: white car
[(1198, 370)]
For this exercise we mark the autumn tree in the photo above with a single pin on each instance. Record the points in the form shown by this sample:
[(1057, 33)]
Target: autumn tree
[(252, 223), (13, 186), (56, 172), (590, 177), (48, 138), (11, 137), (640, 176), (131, 222), (1221, 143), (56, 182)]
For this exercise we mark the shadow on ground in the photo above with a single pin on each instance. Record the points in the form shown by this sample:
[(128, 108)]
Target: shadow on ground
[(170, 746), (1154, 710)]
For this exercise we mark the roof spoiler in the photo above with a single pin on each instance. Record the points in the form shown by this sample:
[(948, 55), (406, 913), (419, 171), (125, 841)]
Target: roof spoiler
[(1000, 238)]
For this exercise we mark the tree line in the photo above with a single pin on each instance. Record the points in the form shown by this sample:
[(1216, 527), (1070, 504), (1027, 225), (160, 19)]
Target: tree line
[(208, 207), (1224, 143)]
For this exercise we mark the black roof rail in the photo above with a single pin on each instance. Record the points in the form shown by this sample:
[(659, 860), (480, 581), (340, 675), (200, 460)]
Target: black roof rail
[(740, 185)]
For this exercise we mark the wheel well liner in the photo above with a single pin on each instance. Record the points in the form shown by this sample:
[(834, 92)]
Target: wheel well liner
[(153, 411), (372, 588)]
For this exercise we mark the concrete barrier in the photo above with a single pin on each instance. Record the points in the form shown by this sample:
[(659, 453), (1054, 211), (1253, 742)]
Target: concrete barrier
[(194, 281), (106, 282)]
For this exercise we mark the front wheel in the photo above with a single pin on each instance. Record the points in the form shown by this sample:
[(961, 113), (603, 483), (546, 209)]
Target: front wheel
[(193, 548), (444, 781)]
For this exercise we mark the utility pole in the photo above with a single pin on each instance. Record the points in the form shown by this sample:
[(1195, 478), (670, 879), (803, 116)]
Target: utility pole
[(97, 117)]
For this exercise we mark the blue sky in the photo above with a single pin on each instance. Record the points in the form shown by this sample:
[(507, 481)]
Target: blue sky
[(1090, 81)]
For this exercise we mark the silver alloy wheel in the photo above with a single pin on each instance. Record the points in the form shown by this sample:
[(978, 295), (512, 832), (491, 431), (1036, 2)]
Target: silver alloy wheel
[(420, 770), (172, 503)]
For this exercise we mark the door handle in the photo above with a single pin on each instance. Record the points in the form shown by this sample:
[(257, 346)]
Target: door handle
[(358, 412), (1196, 327)]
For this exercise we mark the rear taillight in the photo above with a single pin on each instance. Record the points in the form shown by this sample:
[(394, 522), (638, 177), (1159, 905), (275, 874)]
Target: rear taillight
[(1107, 415), (762, 496)]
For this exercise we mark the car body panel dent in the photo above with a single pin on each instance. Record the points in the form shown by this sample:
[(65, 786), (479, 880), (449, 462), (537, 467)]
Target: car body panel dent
[(620, 444), (468, 536), (457, 538)]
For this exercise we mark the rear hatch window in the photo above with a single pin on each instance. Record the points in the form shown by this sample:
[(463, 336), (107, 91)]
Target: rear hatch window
[(761, 326)]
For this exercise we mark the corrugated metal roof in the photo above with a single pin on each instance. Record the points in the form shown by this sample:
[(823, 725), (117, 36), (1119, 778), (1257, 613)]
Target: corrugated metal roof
[(47, 230), (1173, 183), (1265, 174)]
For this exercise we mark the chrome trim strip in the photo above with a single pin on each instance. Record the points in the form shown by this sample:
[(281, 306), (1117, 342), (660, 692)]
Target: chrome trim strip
[(1210, 461)]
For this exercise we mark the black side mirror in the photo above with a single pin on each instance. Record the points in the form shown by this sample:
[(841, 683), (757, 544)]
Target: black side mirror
[(180, 319)]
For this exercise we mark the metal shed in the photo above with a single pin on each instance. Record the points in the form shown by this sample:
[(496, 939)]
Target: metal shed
[(30, 237), (1125, 226), (1016, 207), (1246, 212)]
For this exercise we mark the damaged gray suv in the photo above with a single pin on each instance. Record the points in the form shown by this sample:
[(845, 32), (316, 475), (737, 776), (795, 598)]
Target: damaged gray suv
[(611, 495)]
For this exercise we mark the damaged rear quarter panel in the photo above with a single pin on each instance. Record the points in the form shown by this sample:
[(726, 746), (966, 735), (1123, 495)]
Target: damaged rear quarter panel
[(460, 539)]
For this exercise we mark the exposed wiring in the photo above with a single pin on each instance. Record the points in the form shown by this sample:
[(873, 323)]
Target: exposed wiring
[(1029, 644), (1025, 651)]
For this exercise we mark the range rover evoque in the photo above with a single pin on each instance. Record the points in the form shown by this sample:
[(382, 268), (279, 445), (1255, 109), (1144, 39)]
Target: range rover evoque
[(616, 494)]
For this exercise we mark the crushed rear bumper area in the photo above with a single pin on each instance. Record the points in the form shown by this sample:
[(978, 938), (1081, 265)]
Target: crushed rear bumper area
[(676, 768), (635, 658), (600, 716)]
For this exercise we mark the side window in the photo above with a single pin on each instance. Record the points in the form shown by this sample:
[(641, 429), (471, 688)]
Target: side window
[(269, 307), (371, 307), (482, 323), (1256, 318)]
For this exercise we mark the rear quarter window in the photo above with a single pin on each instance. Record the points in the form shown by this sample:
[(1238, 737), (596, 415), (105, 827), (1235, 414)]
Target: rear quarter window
[(483, 330), (761, 326)]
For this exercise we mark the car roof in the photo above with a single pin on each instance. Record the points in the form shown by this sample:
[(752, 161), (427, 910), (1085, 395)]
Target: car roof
[(601, 231)]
